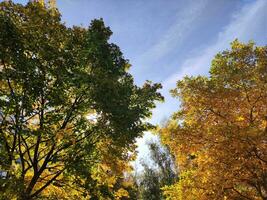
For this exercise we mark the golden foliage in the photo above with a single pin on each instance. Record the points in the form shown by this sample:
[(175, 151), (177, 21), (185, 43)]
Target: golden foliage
[(219, 136)]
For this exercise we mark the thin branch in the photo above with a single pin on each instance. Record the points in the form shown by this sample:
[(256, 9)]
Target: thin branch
[(21, 158), (47, 184), (240, 194), (27, 150)]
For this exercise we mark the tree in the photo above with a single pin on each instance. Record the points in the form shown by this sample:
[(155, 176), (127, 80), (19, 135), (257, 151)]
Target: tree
[(66, 98), (219, 136), (163, 173)]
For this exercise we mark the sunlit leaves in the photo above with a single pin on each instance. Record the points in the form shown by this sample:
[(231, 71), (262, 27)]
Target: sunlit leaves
[(219, 134)]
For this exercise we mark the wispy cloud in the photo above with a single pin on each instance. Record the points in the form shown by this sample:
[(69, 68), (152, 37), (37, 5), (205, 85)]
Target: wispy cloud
[(174, 36), (246, 24)]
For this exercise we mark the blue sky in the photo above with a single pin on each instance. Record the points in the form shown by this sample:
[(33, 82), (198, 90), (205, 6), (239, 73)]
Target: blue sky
[(168, 39)]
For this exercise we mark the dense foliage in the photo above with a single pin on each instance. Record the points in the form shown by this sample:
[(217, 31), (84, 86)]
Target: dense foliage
[(69, 110), (219, 135)]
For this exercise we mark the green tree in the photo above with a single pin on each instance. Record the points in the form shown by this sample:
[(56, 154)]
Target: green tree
[(65, 98), (162, 173), (219, 135)]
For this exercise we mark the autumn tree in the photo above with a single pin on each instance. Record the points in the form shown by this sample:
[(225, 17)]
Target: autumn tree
[(66, 100), (219, 135)]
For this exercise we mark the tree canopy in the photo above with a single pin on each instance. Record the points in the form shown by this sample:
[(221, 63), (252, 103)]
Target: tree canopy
[(69, 110), (219, 135)]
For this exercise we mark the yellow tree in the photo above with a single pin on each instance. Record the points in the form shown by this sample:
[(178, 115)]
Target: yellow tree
[(51, 3), (219, 136)]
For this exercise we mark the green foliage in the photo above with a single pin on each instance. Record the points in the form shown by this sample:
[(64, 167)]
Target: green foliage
[(65, 98)]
